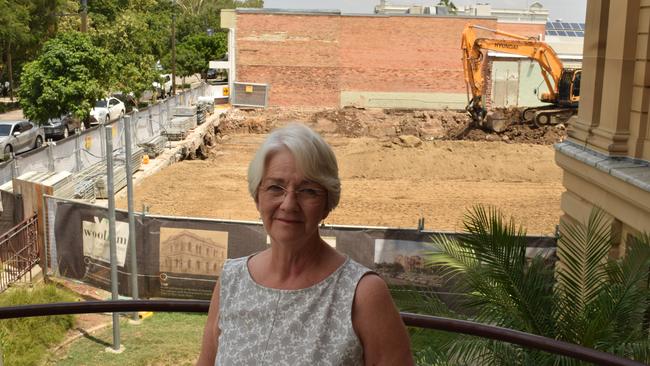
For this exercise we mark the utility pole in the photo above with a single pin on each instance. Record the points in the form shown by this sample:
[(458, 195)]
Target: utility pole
[(173, 47), (84, 16)]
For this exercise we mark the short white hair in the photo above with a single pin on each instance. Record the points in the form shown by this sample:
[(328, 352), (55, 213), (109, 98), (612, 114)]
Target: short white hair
[(313, 155)]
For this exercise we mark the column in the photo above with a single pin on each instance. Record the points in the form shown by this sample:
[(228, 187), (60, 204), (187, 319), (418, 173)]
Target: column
[(593, 64), (639, 143), (612, 133)]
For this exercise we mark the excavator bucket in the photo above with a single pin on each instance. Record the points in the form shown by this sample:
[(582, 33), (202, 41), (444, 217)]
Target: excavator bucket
[(496, 121)]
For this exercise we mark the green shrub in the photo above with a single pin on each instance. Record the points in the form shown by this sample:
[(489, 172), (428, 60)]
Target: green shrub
[(7, 107), (25, 340)]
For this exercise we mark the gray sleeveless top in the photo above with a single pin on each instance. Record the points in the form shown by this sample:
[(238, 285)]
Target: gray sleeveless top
[(265, 326)]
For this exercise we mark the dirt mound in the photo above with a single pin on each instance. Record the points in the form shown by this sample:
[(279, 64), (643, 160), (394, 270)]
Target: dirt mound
[(386, 123), (521, 133)]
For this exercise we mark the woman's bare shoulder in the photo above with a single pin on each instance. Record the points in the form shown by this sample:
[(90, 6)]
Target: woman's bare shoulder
[(370, 290)]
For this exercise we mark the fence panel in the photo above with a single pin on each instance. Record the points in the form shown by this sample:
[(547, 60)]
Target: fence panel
[(250, 95), (37, 161), (181, 257), (66, 153), (6, 172), (18, 252), (73, 155), (92, 148)]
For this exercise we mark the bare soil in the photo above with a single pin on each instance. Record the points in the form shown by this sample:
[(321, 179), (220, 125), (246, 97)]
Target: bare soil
[(396, 166)]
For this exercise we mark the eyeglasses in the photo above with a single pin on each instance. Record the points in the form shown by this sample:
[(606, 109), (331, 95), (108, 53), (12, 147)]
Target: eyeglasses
[(307, 195)]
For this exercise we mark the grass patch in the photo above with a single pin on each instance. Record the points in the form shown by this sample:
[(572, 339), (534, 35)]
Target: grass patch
[(175, 338), (24, 341), (163, 339)]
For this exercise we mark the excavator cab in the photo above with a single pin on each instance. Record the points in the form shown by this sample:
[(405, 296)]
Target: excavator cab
[(569, 87)]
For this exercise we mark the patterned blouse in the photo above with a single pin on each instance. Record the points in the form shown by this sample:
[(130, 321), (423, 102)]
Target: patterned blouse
[(310, 326)]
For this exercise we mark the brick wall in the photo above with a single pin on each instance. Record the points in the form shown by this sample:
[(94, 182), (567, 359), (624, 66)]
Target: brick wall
[(404, 54), (297, 55), (308, 59)]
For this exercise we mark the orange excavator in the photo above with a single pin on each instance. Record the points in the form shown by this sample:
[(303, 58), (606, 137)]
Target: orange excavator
[(563, 83)]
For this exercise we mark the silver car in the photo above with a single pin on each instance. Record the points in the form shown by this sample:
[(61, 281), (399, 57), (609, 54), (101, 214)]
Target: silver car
[(19, 136)]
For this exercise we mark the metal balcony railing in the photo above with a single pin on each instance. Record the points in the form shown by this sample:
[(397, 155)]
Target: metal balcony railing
[(415, 320)]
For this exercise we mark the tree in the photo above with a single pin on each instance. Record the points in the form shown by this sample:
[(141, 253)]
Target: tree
[(67, 77), (14, 18), (589, 299), (130, 42), (197, 16), (194, 53), (26, 25), (451, 7)]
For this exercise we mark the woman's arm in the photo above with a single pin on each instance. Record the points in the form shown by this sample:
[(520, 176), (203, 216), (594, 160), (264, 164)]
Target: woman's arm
[(211, 332), (379, 325)]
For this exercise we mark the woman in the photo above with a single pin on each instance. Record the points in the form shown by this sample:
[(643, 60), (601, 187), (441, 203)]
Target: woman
[(300, 302)]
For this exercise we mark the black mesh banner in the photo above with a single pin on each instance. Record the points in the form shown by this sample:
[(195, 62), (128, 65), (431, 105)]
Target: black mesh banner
[(182, 257)]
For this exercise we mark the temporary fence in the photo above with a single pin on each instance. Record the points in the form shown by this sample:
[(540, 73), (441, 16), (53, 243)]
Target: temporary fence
[(82, 150), (18, 252), (181, 257), (250, 95)]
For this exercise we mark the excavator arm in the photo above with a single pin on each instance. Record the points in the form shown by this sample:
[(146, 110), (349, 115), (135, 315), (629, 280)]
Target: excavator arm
[(472, 48)]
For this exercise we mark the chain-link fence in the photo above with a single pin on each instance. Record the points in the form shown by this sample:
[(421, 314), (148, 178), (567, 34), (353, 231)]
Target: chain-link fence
[(82, 150)]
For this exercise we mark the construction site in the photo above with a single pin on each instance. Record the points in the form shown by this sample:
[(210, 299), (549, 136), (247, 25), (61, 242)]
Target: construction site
[(397, 166), (396, 115)]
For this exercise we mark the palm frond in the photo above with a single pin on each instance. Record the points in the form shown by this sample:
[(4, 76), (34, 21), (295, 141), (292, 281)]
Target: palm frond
[(581, 275), (617, 315), (450, 255)]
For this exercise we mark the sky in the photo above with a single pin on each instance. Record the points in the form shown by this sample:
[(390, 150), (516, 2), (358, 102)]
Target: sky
[(567, 10)]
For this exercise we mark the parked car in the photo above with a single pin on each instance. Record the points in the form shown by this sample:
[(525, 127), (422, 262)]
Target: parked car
[(163, 87), (62, 127), (128, 99), (20, 136), (107, 110)]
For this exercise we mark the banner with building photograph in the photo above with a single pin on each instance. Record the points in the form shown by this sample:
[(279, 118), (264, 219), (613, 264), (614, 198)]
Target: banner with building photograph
[(183, 257)]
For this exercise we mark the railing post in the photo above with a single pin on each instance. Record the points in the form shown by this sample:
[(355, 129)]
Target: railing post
[(102, 140), (129, 195), (168, 103), (150, 121), (45, 238), (14, 169), (50, 157), (77, 152), (111, 231)]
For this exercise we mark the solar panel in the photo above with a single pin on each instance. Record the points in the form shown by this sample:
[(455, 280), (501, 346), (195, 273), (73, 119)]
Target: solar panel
[(557, 25), (580, 34), (561, 33), (582, 26), (551, 33), (549, 25), (570, 33), (575, 26)]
